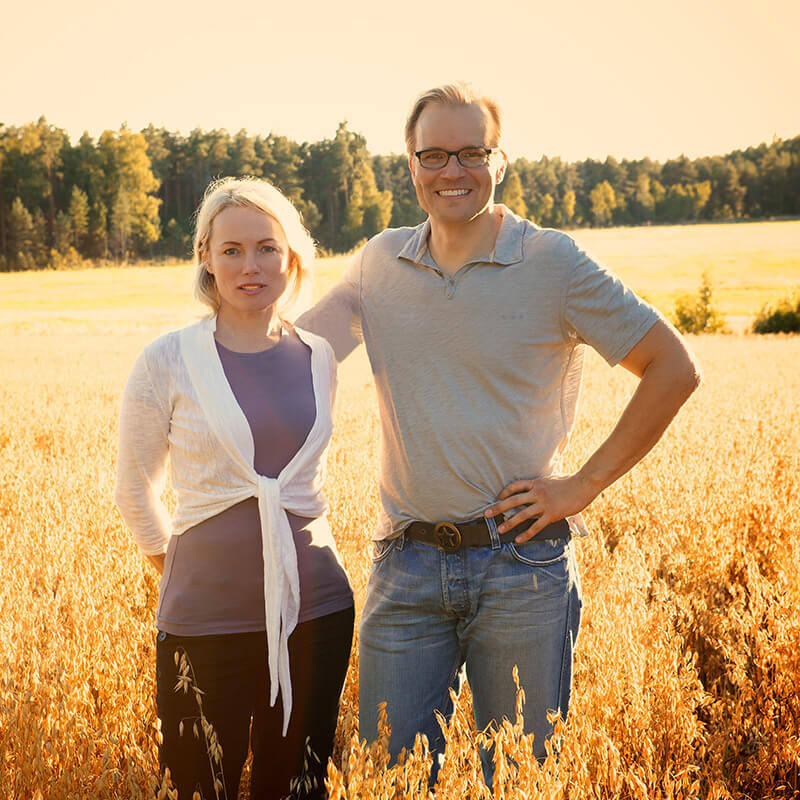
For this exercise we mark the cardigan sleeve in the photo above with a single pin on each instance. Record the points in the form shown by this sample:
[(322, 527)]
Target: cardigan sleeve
[(142, 460)]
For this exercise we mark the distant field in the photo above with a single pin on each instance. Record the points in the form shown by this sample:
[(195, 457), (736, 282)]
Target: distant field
[(687, 673), (749, 264)]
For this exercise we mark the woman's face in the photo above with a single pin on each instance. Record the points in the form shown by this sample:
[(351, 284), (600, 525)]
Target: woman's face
[(248, 255)]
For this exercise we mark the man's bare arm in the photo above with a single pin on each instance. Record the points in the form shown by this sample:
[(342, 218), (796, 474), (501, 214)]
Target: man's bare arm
[(668, 375), (336, 316)]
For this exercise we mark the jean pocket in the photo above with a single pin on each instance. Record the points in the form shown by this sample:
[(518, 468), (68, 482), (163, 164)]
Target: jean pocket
[(381, 549), (542, 553)]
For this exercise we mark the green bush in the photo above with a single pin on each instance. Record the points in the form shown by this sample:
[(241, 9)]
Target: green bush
[(698, 314), (780, 317)]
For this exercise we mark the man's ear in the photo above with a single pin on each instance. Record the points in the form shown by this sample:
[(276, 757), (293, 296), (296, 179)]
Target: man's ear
[(501, 169), (411, 166)]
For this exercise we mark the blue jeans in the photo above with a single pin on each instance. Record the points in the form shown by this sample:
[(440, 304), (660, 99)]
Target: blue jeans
[(429, 612)]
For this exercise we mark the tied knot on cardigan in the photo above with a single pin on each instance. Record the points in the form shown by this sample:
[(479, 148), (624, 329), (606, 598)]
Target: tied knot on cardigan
[(280, 583)]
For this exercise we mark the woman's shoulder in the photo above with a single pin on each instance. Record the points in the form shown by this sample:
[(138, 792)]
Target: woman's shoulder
[(163, 346), (164, 352)]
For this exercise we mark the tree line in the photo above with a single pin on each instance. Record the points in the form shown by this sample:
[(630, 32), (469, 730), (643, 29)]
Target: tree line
[(131, 195)]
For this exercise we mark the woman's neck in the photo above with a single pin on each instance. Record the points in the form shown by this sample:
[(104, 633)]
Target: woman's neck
[(247, 333)]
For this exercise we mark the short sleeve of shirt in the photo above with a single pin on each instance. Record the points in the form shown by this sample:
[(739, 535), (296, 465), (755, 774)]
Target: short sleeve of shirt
[(600, 310)]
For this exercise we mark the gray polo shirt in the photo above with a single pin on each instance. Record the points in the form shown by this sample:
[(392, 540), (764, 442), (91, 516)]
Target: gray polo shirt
[(477, 374)]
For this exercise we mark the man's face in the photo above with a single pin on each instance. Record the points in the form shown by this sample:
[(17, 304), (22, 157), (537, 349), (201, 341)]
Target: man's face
[(454, 194)]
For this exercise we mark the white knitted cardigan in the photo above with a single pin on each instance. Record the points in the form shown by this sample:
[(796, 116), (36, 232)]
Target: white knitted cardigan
[(178, 406)]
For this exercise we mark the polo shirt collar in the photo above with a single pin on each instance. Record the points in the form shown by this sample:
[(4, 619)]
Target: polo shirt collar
[(507, 247), (416, 248)]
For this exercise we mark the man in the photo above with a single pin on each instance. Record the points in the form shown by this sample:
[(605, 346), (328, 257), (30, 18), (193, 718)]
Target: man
[(475, 324)]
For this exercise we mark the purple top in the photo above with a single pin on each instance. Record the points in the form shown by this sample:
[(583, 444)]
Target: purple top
[(213, 578)]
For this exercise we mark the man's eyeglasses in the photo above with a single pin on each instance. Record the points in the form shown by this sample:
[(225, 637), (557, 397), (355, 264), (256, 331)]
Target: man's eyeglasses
[(435, 158)]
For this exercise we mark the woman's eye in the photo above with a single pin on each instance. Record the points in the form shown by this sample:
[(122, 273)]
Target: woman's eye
[(229, 251), (268, 248)]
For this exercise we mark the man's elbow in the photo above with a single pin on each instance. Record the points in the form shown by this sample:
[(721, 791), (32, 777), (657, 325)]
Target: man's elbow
[(689, 375)]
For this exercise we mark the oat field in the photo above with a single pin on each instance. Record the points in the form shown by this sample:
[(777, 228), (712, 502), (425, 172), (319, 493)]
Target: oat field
[(687, 679)]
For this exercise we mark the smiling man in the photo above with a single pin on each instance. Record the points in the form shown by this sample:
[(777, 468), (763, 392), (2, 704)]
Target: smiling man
[(475, 323)]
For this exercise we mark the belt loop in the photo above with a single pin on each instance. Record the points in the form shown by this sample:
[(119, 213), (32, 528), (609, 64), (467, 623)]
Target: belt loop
[(401, 541), (494, 536)]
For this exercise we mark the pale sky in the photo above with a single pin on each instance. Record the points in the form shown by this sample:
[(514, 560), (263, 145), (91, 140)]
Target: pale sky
[(575, 79)]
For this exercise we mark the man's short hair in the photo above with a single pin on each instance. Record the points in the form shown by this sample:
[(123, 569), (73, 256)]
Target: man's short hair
[(459, 93)]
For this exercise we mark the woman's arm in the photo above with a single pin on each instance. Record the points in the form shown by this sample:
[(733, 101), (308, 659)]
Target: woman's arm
[(141, 462), (157, 562)]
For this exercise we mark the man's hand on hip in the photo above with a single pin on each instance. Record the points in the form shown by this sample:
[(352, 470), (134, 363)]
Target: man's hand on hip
[(547, 500)]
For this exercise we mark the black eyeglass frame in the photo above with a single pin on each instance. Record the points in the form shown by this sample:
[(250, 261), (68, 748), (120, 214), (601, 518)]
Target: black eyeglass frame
[(457, 153)]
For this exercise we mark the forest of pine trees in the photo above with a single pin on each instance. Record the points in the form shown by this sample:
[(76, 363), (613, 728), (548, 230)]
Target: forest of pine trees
[(128, 196)]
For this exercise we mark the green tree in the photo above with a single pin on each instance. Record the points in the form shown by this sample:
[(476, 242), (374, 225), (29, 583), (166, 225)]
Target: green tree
[(159, 151), (676, 205), (121, 225), (340, 181), (392, 175), (39, 251), (512, 195), (782, 316), (52, 142), (62, 233), (98, 230), (541, 209), (678, 170), (3, 220), (698, 315), (643, 205), (700, 193), (244, 158), (283, 166), (603, 202), (128, 191), (567, 208), (175, 241), (20, 235), (79, 215)]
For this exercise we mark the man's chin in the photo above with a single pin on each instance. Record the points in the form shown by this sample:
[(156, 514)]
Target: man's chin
[(455, 216)]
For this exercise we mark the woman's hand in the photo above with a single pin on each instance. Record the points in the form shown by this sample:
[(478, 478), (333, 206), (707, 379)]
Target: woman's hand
[(158, 562)]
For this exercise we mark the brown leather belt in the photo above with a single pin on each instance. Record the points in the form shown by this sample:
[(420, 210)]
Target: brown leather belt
[(453, 536)]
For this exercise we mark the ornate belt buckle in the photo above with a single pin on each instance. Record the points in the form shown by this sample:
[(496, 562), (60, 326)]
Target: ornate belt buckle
[(448, 536)]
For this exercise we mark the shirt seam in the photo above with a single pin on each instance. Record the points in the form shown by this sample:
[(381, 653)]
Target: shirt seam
[(562, 317), (630, 342)]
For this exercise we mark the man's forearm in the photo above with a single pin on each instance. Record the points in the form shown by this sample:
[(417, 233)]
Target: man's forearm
[(664, 387), (668, 375)]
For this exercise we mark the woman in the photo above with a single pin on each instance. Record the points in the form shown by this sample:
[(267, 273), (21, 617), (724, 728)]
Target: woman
[(252, 589)]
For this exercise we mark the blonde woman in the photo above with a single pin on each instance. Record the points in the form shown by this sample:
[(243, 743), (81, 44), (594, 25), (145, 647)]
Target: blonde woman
[(252, 587)]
